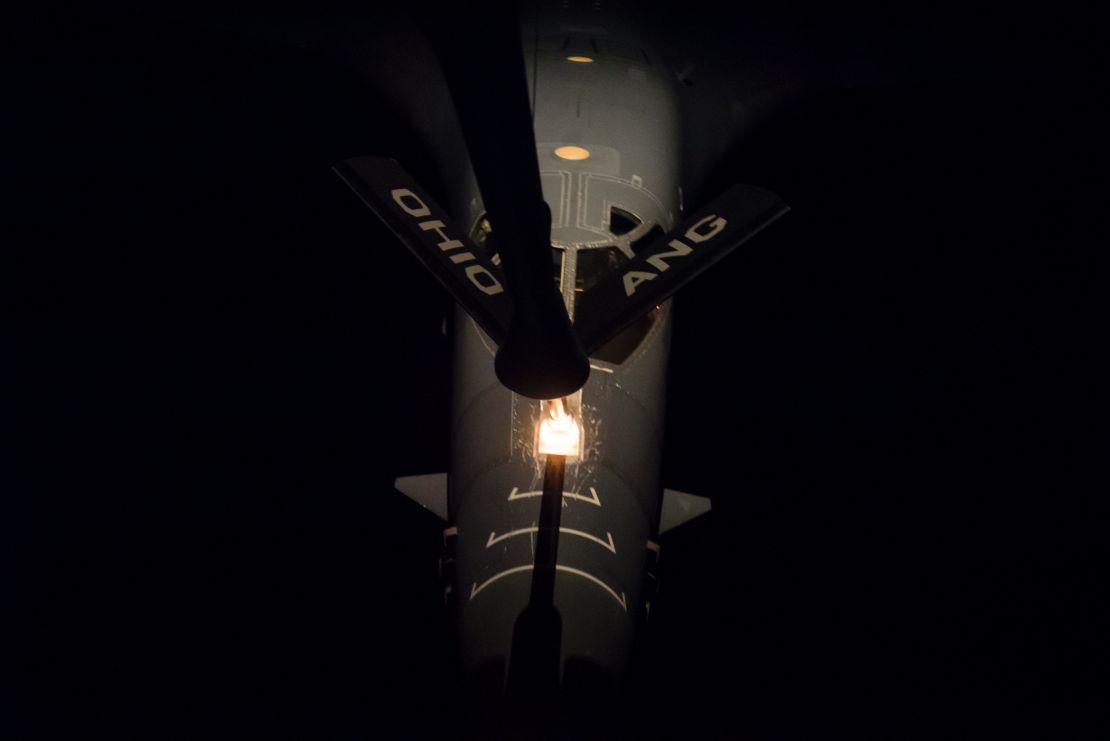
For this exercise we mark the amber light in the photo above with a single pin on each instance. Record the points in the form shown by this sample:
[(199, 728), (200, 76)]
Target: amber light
[(571, 152), (579, 60), (559, 432)]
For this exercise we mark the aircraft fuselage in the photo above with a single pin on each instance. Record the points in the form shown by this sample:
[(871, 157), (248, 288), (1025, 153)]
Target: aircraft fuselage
[(620, 107)]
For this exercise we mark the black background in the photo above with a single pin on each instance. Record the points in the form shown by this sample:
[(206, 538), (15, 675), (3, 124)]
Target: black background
[(218, 362)]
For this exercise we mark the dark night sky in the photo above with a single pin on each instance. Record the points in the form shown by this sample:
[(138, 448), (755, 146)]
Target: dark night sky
[(221, 362)]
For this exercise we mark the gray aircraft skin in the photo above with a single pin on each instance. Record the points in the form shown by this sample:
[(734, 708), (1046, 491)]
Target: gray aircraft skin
[(606, 120), (622, 103), (621, 106), (646, 134)]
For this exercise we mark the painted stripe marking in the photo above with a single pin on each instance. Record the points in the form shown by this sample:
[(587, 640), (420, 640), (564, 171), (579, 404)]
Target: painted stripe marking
[(516, 493), (611, 546), (620, 598)]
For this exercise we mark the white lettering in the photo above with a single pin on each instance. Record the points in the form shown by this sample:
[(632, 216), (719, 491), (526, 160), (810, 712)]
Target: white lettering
[(680, 250), (412, 205), (697, 237), (399, 196), (695, 234), (489, 285), (437, 226), (634, 278)]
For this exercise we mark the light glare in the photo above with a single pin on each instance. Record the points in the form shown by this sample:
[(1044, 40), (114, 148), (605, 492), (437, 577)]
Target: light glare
[(559, 433), (571, 152)]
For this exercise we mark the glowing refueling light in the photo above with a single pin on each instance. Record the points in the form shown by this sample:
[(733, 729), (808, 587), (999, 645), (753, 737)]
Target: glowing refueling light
[(579, 59), (560, 433), (571, 152)]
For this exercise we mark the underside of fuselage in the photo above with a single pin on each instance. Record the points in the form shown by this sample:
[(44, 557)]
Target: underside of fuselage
[(605, 121)]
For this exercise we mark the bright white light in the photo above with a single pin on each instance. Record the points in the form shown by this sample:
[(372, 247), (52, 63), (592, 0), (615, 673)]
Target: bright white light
[(560, 433)]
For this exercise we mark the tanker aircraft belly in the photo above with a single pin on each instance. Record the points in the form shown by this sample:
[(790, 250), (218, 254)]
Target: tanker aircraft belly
[(606, 127), (611, 498)]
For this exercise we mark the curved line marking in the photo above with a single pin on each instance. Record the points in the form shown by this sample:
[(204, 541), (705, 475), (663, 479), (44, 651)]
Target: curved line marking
[(620, 598), (593, 499), (476, 587), (599, 582), (611, 546)]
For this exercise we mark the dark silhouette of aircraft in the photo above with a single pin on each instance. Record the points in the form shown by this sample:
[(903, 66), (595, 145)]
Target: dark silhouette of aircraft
[(576, 155), (683, 97)]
